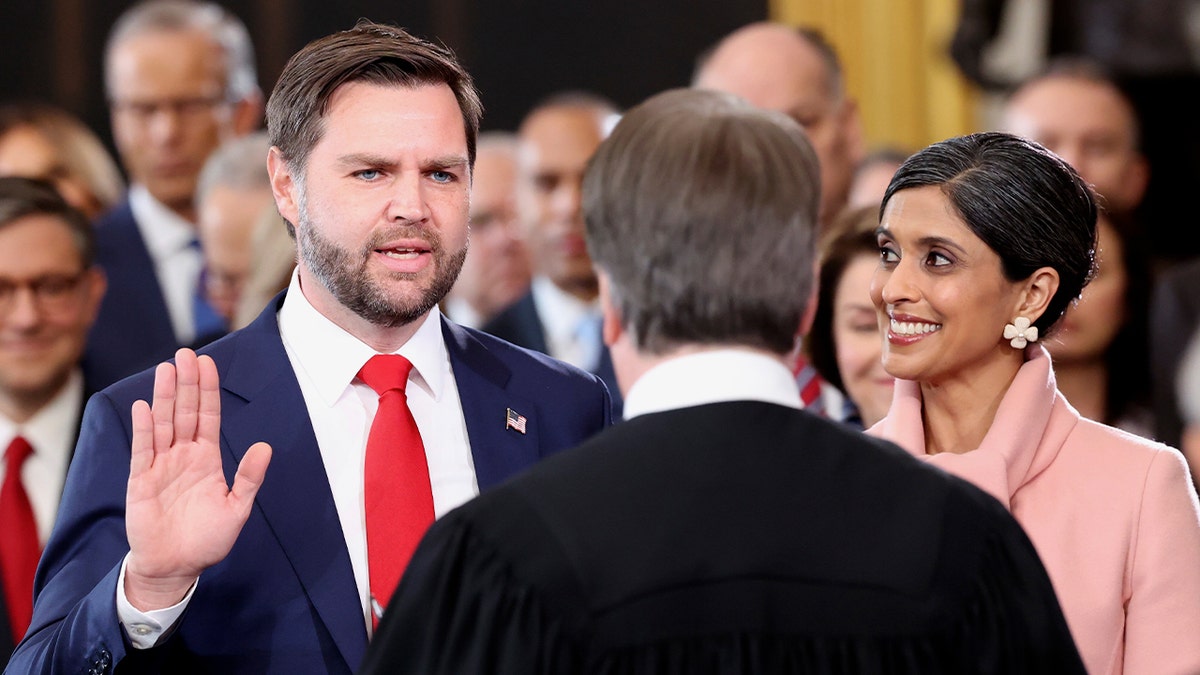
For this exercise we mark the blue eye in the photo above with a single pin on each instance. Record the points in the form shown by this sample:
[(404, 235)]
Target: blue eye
[(442, 176), (367, 174)]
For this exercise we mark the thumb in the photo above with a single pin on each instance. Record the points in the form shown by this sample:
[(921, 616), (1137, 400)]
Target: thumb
[(250, 474)]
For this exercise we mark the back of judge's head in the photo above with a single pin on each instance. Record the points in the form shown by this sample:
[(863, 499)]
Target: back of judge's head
[(701, 213)]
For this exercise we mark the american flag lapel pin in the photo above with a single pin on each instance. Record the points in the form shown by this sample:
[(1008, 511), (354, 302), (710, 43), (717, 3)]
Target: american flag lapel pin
[(514, 420)]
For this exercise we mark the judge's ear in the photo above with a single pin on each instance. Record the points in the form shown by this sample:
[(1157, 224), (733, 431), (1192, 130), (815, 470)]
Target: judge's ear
[(613, 326)]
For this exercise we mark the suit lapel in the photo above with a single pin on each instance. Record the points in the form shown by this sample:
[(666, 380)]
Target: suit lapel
[(263, 402), (481, 377)]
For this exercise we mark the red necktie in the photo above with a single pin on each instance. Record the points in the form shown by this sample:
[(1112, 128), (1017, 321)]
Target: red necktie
[(19, 549), (397, 496)]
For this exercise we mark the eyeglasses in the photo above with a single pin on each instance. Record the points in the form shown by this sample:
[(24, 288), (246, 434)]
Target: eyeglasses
[(190, 107), (51, 293)]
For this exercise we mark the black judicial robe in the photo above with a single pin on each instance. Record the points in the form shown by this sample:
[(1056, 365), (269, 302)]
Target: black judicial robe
[(738, 537)]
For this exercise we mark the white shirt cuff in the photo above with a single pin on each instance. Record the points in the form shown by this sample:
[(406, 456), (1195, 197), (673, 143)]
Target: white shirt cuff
[(146, 629)]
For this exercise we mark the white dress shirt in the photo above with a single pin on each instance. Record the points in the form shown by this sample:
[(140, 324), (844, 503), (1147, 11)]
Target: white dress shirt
[(326, 360), (712, 376), (51, 432), (177, 263), (563, 316)]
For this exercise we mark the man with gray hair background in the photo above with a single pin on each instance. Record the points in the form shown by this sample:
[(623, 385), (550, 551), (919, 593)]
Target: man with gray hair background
[(232, 193), (180, 80)]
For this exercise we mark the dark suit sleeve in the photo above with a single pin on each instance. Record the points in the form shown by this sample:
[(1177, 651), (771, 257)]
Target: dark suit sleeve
[(75, 626), (459, 609)]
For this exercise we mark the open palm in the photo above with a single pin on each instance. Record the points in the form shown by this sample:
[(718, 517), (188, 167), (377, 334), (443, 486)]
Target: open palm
[(181, 515)]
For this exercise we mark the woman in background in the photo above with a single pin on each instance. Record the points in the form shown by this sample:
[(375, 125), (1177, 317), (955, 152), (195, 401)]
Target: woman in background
[(1100, 351), (44, 142), (843, 343), (984, 242)]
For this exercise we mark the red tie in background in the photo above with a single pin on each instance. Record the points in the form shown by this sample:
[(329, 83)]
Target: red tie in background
[(19, 550), (397, 496)]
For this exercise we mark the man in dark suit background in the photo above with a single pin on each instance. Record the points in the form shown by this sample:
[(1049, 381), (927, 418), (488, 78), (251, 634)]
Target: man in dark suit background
[(720, 528), (180, 79), (50, 289), (559, 315), (155, 563)]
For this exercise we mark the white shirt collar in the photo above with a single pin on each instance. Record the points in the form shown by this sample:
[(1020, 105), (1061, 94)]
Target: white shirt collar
[(51, 430), (559, 311), (163, 231), (712, 376), (332, 357)]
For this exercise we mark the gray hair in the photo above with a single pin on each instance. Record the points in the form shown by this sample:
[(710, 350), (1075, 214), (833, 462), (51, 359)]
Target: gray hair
[(241, 78), (702, 210), (240, 163)]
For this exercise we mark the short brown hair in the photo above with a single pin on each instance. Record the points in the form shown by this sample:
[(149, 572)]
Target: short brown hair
[(703, 212), (21, 197), (369, 52)]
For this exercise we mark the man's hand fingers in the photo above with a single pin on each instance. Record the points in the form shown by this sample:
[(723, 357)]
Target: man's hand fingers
[(209, 418), (142, 448), (163, 407), (187, 394)]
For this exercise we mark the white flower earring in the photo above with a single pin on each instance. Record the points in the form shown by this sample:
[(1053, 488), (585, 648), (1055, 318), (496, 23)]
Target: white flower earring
[(1019, 333)]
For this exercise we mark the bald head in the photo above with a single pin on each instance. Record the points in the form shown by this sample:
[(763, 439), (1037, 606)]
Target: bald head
[(780, 68), (557, 138), (1087, 121)]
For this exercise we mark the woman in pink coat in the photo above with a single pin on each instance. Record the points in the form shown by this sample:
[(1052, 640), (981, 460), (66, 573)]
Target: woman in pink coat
[(984, 242)]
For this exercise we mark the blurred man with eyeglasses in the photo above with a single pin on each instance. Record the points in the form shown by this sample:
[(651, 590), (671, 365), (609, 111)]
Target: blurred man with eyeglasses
[(50, 290), (496, 272), (180, 80)]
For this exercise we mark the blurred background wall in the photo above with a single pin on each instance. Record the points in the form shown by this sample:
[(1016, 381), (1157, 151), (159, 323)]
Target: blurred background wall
[(517, 50)]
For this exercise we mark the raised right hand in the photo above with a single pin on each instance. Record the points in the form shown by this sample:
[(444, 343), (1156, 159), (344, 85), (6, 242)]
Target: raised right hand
[(180, 515)]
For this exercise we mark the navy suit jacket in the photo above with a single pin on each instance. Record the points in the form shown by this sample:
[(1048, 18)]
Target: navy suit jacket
[(520, 324), (284, 600), (133, 329)]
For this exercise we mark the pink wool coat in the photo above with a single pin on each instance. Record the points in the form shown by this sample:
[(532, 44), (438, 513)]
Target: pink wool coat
[(1113, 516)]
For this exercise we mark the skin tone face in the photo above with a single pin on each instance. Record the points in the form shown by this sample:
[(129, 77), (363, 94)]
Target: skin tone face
[(496, 272), (555, 146), (770, 66), (1090, 326), (1091, 127), (25, 152), (226, 218), (870, 183), (940, 294), (381, 211), (856, 336), (41, 341), (168, 111)]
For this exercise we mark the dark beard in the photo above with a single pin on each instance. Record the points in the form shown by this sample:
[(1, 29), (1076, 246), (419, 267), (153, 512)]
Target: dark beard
[(345, 273)]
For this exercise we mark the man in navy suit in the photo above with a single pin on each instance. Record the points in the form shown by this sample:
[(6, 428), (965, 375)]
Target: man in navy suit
[(50, 290), (180, 80), (163, 567)]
